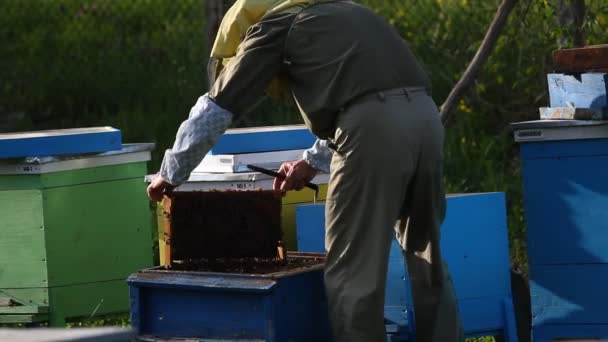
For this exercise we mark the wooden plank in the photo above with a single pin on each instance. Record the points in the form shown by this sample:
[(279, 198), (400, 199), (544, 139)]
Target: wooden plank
[(474, 242), (310, 223), (28, 296), (105, 334), (20, 182), (106, 226), (481, 315), (398, 297), (10, 167), (166, 231), (570, 333), (22, 244), (566, 200), (24, 309), (479, 265), (569, 294), (163, 239), (564, 149), (264, 139), (58, 142), (475, 247), (73, 177), (586, 90), (239, 162), (586, 59), (95, 175), (5, 301), (305, 195), (16, 319), (289, 225)]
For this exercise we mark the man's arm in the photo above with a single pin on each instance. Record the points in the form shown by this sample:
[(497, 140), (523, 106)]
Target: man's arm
[(240, 84), (296, 173), (318, 156), (195, 137)]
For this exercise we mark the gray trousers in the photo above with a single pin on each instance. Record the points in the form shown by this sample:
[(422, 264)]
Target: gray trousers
[(386, 178)]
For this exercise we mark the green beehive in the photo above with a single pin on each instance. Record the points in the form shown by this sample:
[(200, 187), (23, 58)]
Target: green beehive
[(71, 230)]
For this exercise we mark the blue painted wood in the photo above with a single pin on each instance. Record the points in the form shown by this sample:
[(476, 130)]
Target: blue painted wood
[(135, 307), (569, 294), (310, 232), (59, 142), (210, 282), (565, 197), (174, 313), (482, 316), (398, 308), (475, 246), (573, 332), (565, 201), (587, 90), (510, 329), (562, 149), (229, 307), (264, 139), (474, 243)]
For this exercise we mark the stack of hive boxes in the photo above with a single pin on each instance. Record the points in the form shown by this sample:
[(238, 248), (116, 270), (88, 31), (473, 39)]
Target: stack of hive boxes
[(75, 223), (564, 159)]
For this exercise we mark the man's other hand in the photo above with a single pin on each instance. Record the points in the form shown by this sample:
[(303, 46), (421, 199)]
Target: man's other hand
[(158, 187), (297, 173)]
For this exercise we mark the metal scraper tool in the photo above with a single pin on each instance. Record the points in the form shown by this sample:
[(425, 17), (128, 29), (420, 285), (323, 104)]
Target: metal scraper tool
[(268, 172)]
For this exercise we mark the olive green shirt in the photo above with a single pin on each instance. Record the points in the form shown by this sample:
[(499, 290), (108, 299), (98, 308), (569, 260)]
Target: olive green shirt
[(331, 53)]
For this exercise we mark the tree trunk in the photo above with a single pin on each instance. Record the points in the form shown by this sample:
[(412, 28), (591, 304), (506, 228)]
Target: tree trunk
[(571, 16), (484, 51), (215, 13)]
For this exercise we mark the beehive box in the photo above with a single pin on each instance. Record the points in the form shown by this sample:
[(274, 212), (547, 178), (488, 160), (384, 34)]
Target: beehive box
[(247, 181), (221, 224), (277, 304), (225, 278), (73, 229), (565, 197)]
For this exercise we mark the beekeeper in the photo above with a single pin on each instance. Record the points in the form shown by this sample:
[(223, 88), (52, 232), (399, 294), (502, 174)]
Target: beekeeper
[(362, 93)]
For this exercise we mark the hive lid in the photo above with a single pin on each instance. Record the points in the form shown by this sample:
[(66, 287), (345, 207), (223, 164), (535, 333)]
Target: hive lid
[(59, 142), (551, 130), (130, 153)]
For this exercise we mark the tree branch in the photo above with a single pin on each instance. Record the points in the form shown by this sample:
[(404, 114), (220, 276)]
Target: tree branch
[(484, 51)]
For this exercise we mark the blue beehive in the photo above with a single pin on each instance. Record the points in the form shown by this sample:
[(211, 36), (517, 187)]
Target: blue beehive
[(566, 200), (474, 243), (273, 307)]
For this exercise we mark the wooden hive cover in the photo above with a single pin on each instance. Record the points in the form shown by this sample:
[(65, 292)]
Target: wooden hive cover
[(593, 58), (223, 224)]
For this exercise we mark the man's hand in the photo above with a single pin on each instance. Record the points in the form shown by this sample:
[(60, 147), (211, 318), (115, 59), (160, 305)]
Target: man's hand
[(296, 173), (158, 187)]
